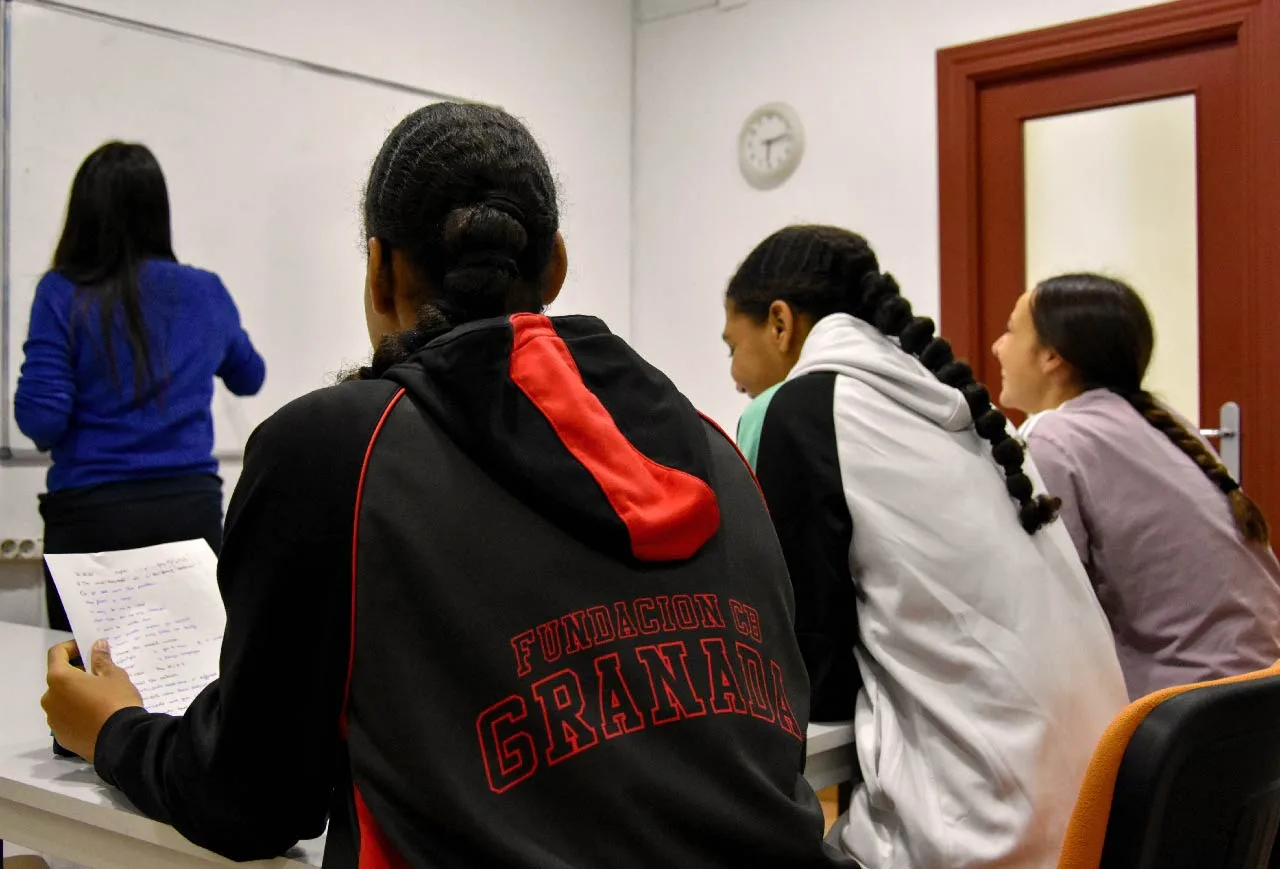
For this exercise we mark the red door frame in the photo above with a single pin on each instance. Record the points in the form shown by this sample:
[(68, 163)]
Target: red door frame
[(1212, 75), (1254, 27)]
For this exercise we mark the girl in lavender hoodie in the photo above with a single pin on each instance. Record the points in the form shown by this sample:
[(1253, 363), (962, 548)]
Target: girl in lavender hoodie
[(1177, 552)]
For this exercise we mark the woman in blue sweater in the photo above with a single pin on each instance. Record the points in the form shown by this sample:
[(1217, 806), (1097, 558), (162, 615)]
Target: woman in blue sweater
[(117, 378)]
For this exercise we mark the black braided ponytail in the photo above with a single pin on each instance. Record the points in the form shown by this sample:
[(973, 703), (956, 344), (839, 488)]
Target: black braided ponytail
[(823, 270), (1102, 330), (881, 303), (465, 193)]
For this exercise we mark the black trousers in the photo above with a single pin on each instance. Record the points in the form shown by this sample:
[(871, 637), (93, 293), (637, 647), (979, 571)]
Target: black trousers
[(128, 516)]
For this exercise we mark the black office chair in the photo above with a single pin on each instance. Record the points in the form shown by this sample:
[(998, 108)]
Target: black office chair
[(1187, 778)]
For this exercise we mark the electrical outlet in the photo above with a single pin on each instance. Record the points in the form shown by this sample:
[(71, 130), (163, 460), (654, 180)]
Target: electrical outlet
[(21, 549)]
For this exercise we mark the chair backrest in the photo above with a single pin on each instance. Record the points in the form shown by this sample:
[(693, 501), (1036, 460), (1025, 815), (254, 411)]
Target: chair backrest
[(1185, 777)]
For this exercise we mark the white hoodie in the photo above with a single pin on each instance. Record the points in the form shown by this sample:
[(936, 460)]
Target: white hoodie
[(989, 669)]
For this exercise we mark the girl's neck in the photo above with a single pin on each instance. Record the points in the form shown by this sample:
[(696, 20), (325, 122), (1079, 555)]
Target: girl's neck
[(1056, 395)]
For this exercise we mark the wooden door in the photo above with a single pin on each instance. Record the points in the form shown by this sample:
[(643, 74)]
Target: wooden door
[(1227, 55)]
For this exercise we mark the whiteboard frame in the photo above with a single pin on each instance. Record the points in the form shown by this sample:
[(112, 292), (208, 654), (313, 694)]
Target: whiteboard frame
[(27, 457)]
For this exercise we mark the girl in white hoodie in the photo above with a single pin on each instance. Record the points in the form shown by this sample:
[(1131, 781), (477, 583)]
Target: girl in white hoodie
[(938, 601)]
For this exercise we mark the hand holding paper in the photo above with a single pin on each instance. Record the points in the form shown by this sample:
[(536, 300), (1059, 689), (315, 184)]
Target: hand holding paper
[(77, 703), (158, 608)]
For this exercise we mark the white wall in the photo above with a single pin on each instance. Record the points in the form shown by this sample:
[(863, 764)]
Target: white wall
[(862, 75), (648, 10), (565, 66), (860, 72)]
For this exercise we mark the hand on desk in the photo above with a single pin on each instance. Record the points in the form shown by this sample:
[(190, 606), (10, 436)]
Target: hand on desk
[(78, 703)]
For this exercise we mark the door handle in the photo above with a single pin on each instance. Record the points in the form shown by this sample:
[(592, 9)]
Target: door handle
[(1227, 434)]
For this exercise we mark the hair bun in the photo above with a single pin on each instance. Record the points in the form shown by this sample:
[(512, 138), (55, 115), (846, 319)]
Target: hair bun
[(489, 259), (483, 247), (499, 201), (483, 227)]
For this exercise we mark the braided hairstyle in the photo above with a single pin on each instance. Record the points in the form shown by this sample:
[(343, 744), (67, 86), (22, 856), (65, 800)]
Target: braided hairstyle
[(1102, 330), (823, 270), (463, 191)]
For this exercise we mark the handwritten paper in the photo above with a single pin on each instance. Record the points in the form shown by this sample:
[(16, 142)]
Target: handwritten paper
[(158, 607)]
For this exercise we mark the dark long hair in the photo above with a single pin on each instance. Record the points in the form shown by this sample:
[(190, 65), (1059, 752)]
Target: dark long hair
[(117, 218), (465, 193), (824, 270), (1101, 328)]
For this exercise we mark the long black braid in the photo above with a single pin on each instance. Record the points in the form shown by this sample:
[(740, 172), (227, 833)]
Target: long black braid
[(824, 270)]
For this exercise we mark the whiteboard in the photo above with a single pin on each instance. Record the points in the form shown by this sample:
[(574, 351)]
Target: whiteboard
[(265, 159)]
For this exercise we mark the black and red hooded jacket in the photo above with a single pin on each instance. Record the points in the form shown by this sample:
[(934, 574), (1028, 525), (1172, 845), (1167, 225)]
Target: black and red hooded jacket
[(514, 604)]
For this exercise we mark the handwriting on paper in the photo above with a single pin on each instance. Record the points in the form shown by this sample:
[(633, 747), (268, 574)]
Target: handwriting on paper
[(158, 607)]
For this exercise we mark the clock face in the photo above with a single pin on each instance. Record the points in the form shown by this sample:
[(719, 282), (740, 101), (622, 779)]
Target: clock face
[(770, 145), (767, 142)]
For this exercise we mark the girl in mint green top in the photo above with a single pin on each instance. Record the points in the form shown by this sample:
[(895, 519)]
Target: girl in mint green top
[(752, 422)]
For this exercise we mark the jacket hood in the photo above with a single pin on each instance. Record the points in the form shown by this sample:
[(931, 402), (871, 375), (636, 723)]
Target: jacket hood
[(567, 417), (846, 345)]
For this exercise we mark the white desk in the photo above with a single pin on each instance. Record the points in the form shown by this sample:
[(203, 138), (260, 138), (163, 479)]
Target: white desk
[(831, 757), (61, 808)]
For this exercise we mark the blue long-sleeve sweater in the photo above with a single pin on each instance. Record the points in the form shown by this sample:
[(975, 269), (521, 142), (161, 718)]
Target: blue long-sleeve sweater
[(69, 403)]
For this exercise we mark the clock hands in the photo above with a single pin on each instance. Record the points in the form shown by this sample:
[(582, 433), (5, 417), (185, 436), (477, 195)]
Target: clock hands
[(769, 143)]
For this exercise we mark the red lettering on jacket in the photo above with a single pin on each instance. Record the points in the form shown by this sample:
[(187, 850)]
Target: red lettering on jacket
[(509, 752), (746, 619), (754, 678), (674, 696), (664, 610), (709, 610), (549, 640), (786, 717), (568, 733), (686, 615), (577, 632), (601, 625), (644, 615), (522, 645), (626, 625), (725, 694), (619, 713)]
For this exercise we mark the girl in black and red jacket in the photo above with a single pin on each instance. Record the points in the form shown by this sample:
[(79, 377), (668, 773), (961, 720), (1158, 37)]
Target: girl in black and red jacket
[(502, 599)]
